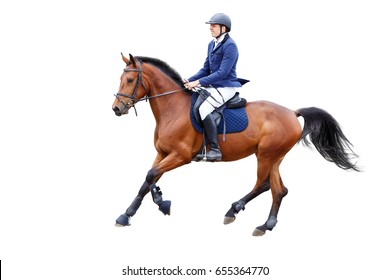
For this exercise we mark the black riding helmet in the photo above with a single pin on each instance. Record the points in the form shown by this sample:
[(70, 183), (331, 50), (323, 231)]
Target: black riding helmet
[(221, 19)]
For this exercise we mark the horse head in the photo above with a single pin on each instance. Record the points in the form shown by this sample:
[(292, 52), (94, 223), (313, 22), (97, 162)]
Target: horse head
[(129, 92)]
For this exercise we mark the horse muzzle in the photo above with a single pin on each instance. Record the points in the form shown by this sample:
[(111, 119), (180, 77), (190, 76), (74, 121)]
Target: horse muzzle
[(117, 111), (120, 106), (120, 110)]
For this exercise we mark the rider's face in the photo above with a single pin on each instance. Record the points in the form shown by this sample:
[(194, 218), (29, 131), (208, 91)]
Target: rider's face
[(215, 30)]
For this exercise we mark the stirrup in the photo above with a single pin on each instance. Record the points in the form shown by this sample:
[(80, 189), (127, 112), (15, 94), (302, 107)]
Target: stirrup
[(201, 155)]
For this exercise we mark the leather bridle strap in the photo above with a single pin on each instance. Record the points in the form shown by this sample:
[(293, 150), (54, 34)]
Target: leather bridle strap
[(133, 96)]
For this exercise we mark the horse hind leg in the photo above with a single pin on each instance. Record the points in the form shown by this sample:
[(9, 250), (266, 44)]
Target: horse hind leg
[(279, 191), (262, 185), (239, 205)]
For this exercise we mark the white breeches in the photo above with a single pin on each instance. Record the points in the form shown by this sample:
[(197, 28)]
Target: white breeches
[(216, 100)]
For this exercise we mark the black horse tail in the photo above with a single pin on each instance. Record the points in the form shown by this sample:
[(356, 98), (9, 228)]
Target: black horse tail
[(327, 137)]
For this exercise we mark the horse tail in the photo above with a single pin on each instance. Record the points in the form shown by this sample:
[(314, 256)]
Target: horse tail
[(327, 137)]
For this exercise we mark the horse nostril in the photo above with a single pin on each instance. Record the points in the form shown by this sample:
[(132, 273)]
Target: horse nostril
[(116, 111)]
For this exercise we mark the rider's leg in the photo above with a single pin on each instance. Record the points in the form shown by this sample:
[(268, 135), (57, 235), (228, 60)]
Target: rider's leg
[(216, 99), (210, 128)]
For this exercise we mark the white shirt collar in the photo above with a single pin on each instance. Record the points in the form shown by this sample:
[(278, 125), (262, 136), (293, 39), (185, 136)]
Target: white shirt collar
[(220, 39)]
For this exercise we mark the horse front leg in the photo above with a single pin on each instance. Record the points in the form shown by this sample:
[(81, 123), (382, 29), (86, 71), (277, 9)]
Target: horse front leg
[(151, 178), (170, 162), (124, 219), (163, 205), (160, 166)]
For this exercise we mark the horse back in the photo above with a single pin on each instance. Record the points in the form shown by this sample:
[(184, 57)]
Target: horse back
[(275, 118)]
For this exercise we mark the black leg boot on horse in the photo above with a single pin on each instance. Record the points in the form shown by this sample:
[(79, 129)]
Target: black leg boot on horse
[(211, 132)]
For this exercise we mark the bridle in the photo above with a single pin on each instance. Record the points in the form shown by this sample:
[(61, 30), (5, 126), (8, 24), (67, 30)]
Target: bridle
[(134, 95)]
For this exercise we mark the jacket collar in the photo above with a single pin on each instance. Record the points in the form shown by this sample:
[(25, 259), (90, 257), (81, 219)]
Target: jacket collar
[(223, 41)]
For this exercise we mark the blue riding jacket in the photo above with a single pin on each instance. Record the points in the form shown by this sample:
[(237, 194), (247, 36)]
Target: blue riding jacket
[(219, 69)]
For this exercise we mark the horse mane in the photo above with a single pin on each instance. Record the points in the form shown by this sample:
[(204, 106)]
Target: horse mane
[(165, 68)]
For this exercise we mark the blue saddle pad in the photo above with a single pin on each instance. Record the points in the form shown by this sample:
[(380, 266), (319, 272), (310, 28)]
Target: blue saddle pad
[(236, 119)]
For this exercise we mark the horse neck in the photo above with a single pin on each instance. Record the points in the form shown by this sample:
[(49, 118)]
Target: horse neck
[(169, 107)]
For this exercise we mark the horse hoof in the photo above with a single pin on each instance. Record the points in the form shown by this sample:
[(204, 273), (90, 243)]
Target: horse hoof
[(228, 220), (258, 232), (122, 221), (165, 207)]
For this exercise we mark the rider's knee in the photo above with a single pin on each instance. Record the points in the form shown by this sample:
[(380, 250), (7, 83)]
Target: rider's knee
[(205, 109)]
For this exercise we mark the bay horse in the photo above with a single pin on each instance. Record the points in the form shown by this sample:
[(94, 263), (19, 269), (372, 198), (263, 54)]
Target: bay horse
[(271, 132)]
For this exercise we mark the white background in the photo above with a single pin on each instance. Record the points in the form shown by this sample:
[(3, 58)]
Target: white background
[(70, 167)]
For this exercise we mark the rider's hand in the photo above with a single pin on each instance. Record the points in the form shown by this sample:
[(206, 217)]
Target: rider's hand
[(191, 85)]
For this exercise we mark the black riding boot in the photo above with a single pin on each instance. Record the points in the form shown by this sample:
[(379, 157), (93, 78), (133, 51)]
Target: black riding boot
[(211, 132)]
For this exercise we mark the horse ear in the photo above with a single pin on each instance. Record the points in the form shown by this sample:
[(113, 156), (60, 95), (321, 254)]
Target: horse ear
[(125, 59), (132, 59)]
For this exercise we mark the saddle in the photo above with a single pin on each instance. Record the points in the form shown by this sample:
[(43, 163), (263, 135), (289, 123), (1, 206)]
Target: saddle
[(231, 117)]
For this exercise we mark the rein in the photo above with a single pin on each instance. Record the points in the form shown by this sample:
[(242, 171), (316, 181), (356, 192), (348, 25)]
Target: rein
[(133, 96), (159, 95)]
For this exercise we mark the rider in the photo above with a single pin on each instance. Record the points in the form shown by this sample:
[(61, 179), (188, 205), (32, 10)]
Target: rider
[(218, 76)]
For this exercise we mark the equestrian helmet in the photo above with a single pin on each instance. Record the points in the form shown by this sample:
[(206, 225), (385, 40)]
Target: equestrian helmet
[(222, 19)]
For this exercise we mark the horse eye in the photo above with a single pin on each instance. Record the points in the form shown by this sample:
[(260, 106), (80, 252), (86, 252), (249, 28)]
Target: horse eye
[(130, 80)]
